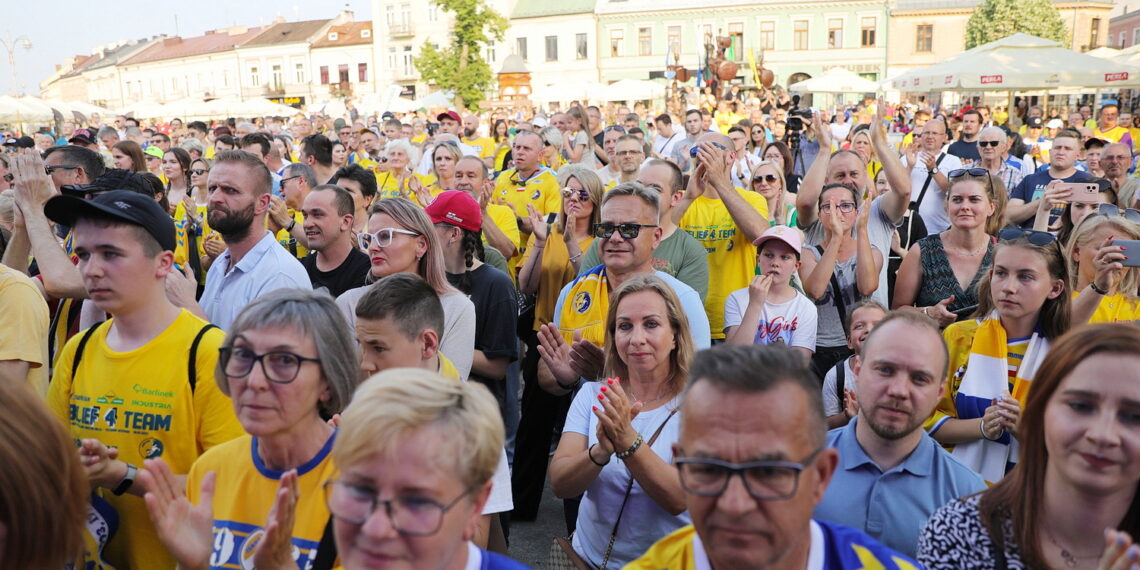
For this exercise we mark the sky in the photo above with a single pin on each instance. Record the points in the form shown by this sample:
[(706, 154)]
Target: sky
[(60, 29)]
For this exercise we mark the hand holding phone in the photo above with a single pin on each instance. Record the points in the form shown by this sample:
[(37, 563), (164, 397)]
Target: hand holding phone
[(1081, 192), (1131, 252)]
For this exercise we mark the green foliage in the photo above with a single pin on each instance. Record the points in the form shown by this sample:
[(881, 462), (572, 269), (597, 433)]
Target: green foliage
[(996, 19), (460, 66)]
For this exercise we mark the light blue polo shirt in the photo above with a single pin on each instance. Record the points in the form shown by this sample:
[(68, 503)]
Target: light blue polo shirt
[(266, 267), (892, 507)]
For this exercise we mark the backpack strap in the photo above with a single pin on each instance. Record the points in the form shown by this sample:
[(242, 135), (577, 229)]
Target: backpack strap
[(79, 349), (191, 366), (840, 381), (326, 549)]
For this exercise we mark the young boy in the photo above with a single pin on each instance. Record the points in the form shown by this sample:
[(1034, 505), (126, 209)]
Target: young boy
[(143, 381), (839, 404), (770, 310)]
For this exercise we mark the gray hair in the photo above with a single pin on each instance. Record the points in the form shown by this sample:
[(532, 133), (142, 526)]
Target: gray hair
[(994, 130), (412, 152), (107, 131), (190, 144), (650, 197), (552, 135), (314, 315), (303, 170), (246, 125)]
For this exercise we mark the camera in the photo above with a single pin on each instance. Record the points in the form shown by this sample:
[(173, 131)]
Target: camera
[(796, 118)]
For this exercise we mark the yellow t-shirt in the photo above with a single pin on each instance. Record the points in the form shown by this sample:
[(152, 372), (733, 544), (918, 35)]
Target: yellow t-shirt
[(447, 369), (731, 256), (501, 155), (504, 219), (1115, 309), (1114, 134), (286, 239), (244, 493), (141, 402), (26, 320), (485, 145), (541, 190), (181, 251), (555, 272), (389, 186)]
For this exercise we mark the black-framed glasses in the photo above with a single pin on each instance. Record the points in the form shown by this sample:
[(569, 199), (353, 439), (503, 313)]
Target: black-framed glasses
[(9, 178), (843, 207), (382, 237), (546, 143), (199, 171), (582, 195), (409, 515), (1110, 210), (764, 480), (282, 368), (51, 169), (605, 230), (1035, 237), (988, 143), (769, 178), (288, 178)]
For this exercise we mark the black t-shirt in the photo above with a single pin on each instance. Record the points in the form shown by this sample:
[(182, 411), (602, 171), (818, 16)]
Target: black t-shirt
[(496, 310), (967, 151), (349, 275)]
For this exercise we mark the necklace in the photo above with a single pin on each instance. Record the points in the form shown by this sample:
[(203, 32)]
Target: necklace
[(1070, 559), (975, 252)]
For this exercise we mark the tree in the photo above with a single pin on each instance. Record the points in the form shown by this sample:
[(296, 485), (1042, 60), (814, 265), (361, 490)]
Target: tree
[(995, 19), (460, 66)]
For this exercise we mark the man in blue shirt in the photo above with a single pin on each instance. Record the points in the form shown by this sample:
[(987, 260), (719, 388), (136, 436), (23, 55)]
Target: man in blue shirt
[(891, 475), (1063, 156)]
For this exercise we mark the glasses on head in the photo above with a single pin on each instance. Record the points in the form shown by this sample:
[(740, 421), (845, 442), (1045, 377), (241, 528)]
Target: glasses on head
[(382, 237), (617, 128), (50, 169), (1110, 210), (605, 230), (199, 171), (764, 480), (1035, 237), (843, 207), (769, 178), (9, 178), (282, 368), (546, 143), (983, 144), (582, 195), (409, 515)]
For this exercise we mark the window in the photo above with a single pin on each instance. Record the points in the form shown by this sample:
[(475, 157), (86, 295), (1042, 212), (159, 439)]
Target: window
[(489, 54), (254, 77), (366, 33), (581, 46), (768, 35), (673, 33), (300, 72), (1094, 33), (278, 78), (433, 12), (1135, 37), (617, 43), (645, 41), (924, 38), (409, 67), (735, 51), (1122, 36), (551, 48), (390, 15), (800, 34), (835, 33), (392, 58), (362, 72), (867, 31), (225, 80), (342, 72), (405, 14), (333, 36), (324, 75), (520, 47)]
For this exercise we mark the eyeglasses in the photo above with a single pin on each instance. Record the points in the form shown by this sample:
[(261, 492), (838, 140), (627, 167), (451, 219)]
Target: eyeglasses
[(769, 178), (409, 515), (546, 143), (984, 144), (582, 195), (1035, 237), (237, 362), (51, 169), (288, 178), (1110, 210), (605, 230), (381, 237), (199, 171), (843, 207), (621, 153), (764, 480), (1113, 158), (9, 178)]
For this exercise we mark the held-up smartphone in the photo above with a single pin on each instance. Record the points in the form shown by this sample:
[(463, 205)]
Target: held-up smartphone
[(1132, 250), (1082, 192)]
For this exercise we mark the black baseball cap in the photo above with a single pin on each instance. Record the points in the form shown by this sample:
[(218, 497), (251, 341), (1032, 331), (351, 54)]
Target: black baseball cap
[(124, 205), (1034, 123), (84, 136), (22, 142)]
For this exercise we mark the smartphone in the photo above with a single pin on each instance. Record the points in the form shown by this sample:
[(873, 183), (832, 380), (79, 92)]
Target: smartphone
[(1131, 249), (965, 311), (1082, 192)]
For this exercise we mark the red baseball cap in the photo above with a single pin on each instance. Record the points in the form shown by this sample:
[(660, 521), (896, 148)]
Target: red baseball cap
[(456, 208), (449, 115)]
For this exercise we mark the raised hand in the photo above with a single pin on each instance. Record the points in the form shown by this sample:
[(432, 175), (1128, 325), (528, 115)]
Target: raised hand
[(556, 354), (186, 530), (275, 551), (540, 231)]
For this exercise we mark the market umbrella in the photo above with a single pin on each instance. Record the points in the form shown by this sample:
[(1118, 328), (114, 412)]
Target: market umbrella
[(19, 110), (835, 80), (436, 100), (1019, 62)]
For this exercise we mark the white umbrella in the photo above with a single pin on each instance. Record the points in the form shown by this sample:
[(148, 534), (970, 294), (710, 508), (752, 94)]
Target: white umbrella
[(148, 110), (559, 92), (402, 105), (436, 100), (835, 80), (629, 90), (1018, 62), (17, 110)]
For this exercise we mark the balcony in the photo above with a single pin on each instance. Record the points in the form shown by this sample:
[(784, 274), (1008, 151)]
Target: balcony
[(402, 30)]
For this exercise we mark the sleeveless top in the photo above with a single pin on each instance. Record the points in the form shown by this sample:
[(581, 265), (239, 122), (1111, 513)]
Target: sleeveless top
[(938, 279)]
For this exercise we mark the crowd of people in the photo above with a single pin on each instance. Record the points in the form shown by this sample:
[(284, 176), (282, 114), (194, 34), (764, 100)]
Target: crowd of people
[(908, 330)]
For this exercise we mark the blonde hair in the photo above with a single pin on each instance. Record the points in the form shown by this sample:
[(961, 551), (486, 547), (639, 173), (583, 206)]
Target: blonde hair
[(1082, 236), (590, 182), (681, 356), (412, 217), (396, 403), (777, 210)]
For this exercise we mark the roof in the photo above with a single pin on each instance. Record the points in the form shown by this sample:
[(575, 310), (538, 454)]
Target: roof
[(287, 32), (212, 42), (514, 64), (541, 8), (963, 4), (349, 34)]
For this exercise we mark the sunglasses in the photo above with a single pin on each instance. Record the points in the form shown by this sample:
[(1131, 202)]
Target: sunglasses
[(605, 230), (284, 180), (984, 144), (769, 178), (198, 171), (546, 143), (1109, 210), (582, 195), (51, 169), (1035, 237)]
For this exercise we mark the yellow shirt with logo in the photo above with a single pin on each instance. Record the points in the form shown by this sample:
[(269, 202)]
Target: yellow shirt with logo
[(181, 238), (485, 145), (244, 493), (585, 307), (286, 239), (1114, 134), (1115, 309), (26, 320), (540, 190), (141, 402), (389, 186), (732, 257)]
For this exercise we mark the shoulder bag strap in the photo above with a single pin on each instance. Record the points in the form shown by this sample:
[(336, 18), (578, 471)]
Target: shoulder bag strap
[(82, 345), (926, 185), (628, 489), (836, 292), (840, 381), (326, 549), (192, 365)]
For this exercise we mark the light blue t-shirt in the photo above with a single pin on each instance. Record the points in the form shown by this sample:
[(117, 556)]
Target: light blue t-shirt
[(266, 267)]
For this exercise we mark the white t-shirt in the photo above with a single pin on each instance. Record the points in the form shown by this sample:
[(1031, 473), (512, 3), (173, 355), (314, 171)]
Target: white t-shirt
[(839, 131), (792, 322), (832, 403), (933, 206), (663, 146), (742, 170)]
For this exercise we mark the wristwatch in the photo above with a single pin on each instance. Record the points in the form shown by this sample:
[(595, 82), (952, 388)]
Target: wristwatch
[(292, 224), (128, 480)]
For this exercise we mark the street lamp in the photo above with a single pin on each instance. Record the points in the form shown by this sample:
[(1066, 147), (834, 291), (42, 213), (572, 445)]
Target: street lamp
[(11, 45)]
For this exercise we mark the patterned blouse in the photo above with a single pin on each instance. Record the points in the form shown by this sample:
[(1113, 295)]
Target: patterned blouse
[(938, 279), (955, 539)]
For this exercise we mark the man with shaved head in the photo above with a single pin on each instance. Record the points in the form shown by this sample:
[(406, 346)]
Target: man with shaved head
[(472, 138)]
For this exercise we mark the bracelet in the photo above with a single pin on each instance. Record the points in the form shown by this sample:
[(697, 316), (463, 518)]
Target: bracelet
[(576, 257), (127, 482), (292, 224), (1097, 290), (925, 311), (982, 429), (632, 449), (590, 454), (565, 387)]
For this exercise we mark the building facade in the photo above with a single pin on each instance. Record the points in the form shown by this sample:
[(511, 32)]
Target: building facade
[(557, 41), (1124, 30)]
